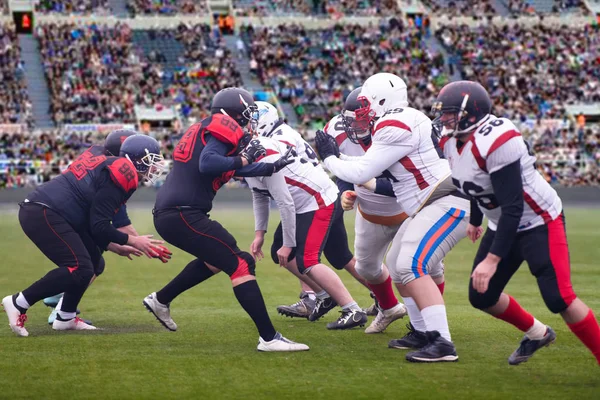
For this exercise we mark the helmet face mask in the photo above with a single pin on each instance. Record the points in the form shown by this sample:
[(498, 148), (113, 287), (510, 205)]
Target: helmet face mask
[(264, 120), (356, 129), (144, 153)]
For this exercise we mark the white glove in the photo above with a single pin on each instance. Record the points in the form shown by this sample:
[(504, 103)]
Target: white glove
[(348, 200), (370, 185)]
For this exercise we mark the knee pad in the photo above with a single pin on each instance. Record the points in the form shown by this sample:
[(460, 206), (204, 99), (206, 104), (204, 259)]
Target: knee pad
[(99, 266), (369, 271), (246, 266), (405, 268), (481, 301)]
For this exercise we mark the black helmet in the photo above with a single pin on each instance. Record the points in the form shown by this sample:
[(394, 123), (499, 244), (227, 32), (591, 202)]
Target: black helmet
[(355, 130), (236, 103), (467, 102), (144, 152), (112, 143)]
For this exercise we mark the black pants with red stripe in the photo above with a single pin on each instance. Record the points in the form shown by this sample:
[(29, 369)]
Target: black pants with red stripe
[(546, 251), (194, 232), (317, 231), (75, 254)]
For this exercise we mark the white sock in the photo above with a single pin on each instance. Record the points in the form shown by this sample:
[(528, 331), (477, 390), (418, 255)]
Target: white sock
[(311, 295), (416, 319), (537, 331), (390, 311), (436, 320), (322, 295), (22, 301), (66, 315), (59, 304), (351, 306)]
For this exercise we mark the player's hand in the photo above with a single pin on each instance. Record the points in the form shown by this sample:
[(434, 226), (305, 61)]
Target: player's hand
[(370, 185), (483, 273), (253, 151), (326, 145), (283, 253), (145, 244), (348, 200), (474, 232), (124, 251), (163, 253), (256, 246), (284, 161)]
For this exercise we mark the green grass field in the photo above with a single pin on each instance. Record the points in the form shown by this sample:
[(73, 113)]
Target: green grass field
[(213, 354)]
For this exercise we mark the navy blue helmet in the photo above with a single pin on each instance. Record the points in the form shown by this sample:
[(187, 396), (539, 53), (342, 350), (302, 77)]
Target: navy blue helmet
[(236, 103), (114, 140), (356, 130), (144, 152), (460, 108)]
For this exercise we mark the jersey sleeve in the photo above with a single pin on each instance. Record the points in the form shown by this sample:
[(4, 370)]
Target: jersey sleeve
[(506, 149), (107, 200), (260, 206), (123, 174), (278, 188), (121, 218)]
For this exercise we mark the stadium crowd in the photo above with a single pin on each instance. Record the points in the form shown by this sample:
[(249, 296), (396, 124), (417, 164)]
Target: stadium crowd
[(460, 7), (81, 7), (15, 106), (166, 7), (315, 7)]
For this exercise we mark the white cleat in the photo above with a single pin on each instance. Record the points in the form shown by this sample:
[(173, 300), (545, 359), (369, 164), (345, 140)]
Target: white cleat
[(385, 318), (16, 320), (74, 324), (279, 343), (161, 311)]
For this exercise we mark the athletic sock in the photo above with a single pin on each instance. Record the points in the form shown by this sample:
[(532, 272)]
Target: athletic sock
[(588, 331), (436, 320), (65, 316), (537, 331), (250, 298), (322, 295), (351, 306), (194, 273), (416, 319), (441, 287), (21, 302), (517, 316), (384, 293)]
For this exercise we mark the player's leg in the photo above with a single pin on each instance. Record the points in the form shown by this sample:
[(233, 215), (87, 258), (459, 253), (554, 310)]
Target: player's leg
[(312, 232), (547, 253), (370, 245), (427, 238), (63, 246)]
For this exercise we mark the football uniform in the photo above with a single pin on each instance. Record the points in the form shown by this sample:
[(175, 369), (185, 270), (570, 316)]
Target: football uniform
[(540, 237), (403, 152), (308, 202)]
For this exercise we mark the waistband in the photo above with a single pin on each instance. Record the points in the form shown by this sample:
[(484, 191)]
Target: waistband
[(390, 220)]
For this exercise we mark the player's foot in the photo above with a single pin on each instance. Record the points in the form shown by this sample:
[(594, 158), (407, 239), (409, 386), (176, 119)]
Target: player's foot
[(54, 313), (16, 318), (53, 301), (349, 319), (412, 340), (162, 312), (279, 343), (385, 318), (528, 347), (322, 307), (373, 310), (437, 350), (73, 324), (300, 309)]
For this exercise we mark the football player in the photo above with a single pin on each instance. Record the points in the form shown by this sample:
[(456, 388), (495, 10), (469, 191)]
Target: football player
[(206, 158), (337, 252), (69, 220), (309, 205), (402, 150), (491, 163)]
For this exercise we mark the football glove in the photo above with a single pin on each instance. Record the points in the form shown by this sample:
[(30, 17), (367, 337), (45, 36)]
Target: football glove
[(163, 254), (326, 145), (284, 161), (253, 151)]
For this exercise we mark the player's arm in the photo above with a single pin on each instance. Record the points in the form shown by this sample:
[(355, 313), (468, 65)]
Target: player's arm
[(343, 185), (278, 188), (383, 186), (214, 159), (122, 222), (107, 200), (475, 216)]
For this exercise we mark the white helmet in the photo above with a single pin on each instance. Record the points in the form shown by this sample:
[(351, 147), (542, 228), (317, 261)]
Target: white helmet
[(380, 93), (266, 119)]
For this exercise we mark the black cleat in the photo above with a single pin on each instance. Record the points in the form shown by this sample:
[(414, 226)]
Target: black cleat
[(349, 319), (300, 309), (412, 340), (322, 307), (437, 350), (528, 347)]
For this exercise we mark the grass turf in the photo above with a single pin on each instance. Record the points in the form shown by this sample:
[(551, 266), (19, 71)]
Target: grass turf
[(213, 354)]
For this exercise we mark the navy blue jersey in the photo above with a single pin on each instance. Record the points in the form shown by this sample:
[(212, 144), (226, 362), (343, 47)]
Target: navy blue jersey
[(203, 161), (121, 218), (89, 193)]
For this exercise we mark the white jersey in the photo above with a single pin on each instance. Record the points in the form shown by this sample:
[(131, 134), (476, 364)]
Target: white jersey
[(287, 135), (402, 151), (494, 145), (369, 202), (308, 184)]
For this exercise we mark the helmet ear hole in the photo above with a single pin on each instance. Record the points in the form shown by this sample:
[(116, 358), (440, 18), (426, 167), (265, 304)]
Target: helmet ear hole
[(381, 102)]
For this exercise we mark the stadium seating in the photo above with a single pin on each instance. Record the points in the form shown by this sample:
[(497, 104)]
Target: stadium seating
[(308, 7), (167, 7), (101, 7), (544, 6), (14, 107), (461, 7)]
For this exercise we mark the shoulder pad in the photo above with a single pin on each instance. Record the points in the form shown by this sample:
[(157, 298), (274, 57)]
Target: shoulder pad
[(335, 128), (224, 129), (442, 142), (493, 134), (123, 173), (270, 146), (97, 150)]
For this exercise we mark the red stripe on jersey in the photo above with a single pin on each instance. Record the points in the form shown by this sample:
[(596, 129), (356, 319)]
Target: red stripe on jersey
[(340, 138), (307, 189), (443, 141), (505, 137), (326, 126), (536, 207), (392, 122), (270, 152), (477, 155), (287, 143), (410, 167)]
